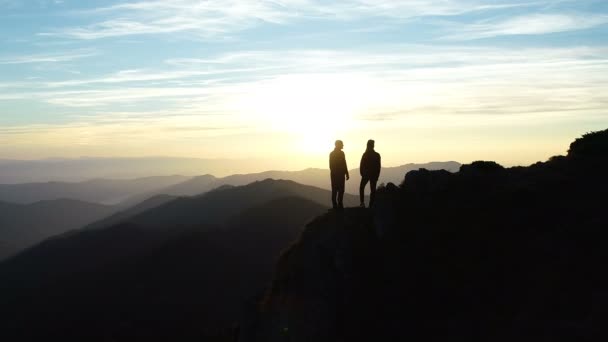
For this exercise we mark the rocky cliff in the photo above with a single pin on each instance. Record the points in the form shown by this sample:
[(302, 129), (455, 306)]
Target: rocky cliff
[(487, 253)]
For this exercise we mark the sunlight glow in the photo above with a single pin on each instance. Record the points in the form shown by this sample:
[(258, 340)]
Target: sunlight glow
[(313, 109)]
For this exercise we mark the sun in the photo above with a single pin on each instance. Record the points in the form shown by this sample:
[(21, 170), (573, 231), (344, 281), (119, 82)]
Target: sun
[(314, 110)]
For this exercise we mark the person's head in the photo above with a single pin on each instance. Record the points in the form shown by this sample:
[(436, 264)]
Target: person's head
[(370, 144), (339, 144)]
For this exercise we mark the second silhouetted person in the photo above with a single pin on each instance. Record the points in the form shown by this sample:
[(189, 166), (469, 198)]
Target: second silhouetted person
[(370, 172), (338, 170)]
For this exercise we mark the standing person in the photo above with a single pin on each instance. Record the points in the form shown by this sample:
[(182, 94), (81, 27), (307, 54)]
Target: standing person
[(338, 170), (370, 172)]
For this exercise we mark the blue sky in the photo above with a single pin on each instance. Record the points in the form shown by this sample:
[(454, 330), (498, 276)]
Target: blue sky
[(507, 80)]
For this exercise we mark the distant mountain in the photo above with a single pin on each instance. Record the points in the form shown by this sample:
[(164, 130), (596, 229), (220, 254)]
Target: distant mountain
[(314, 177), (195, 186), (22, 226), (129, 192), (128, 214), (317, 177), (102, 191), (82, 169), (216, 206), (186, 279)]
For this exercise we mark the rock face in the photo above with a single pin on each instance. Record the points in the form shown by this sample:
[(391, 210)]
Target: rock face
[(485, 254), (318, 280)]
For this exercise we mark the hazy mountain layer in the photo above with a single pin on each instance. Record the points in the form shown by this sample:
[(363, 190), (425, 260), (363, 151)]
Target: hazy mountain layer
[(103, 191), (215, 207), (315, 177), (128, 214), (22, 226), (83, 169), (180, 280)]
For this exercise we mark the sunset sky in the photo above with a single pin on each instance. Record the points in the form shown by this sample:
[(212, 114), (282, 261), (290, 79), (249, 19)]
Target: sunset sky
[(508, 80)]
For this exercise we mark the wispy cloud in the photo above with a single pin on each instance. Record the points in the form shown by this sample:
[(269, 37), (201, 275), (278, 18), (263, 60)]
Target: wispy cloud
[(96, 137), (222, 17), (147, 76), (47, 58), (532, 24), (205, 18), (408, 79), (195, 107)]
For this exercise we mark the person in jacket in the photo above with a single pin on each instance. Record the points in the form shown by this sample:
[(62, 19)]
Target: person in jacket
[(339, 172), (370, 172)]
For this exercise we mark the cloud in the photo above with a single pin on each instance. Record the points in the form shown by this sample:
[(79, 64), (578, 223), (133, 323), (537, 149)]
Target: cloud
[(396, 80), (399, 88), (177, 136), (204, 18), (146, 76), (532, 24), (47, 58), (223, 17)]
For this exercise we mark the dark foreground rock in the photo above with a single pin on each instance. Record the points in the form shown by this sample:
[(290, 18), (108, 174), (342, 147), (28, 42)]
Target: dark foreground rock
[(485, 254)]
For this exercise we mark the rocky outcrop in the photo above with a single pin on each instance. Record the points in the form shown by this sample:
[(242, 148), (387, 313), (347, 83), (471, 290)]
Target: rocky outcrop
[(591, 145), (319, 281), (485, 254)]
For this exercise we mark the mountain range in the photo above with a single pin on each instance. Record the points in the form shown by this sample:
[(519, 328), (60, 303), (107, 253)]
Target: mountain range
[(130, 197), (129, 192), (484, 253), (102, 191), (87, 168), (184, 265), (314, 177)]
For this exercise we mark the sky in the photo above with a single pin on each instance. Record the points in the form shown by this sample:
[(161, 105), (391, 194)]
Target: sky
[(278, 81)]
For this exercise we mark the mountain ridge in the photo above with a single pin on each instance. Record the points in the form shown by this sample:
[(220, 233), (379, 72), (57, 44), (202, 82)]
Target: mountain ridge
[(187, 278), (219, 203), (310, 176)]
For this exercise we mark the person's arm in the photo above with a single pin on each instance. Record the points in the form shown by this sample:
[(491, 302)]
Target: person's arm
[(346, 168), (379, 165), (361, 165), (364, 167)]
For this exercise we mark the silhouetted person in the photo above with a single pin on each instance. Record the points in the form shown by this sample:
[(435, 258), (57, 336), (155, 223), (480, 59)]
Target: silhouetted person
[(370, 172), (338, 171)]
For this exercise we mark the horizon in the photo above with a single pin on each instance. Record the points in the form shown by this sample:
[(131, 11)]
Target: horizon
[(272, 84), (78, 171)]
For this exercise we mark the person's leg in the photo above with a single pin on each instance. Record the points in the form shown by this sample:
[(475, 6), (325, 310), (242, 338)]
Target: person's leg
[(364, 181), (341, 193), (334, 193), (372, 195)]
